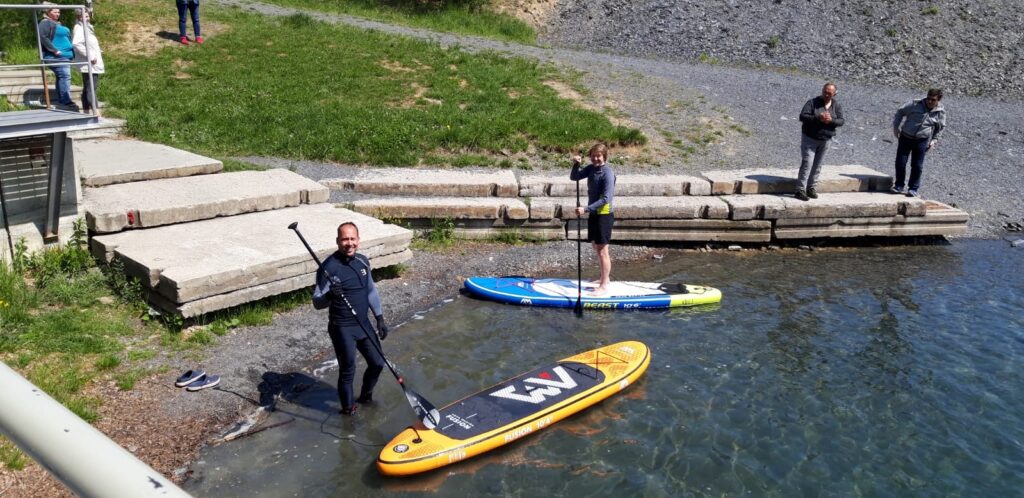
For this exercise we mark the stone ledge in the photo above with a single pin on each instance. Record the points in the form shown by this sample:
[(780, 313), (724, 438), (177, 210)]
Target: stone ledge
[(684, 207), (625, 186), (191, 261), (443, 207), (684, 230), (241, 296), (105, 162), (176, 200), (833, 178), (428, 182), (845, 205)]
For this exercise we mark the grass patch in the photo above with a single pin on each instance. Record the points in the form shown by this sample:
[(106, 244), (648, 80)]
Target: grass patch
[(389, 272), (451, 17), (107, 362), (930, 10), (515, 238), (10, 456), (232, 165), (392, 100), (140, 355), (126, 380)]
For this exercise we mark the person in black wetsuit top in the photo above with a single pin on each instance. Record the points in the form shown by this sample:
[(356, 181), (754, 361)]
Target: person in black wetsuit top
[(343, 284)]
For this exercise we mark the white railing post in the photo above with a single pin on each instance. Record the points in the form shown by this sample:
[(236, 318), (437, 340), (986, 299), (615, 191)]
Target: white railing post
[(83, 458)]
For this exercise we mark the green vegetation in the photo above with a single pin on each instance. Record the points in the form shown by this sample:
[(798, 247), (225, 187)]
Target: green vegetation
[(383, 100), (773, 41), (706, 58), (10, 456), (231, 165), (930, 10), (467, 17)]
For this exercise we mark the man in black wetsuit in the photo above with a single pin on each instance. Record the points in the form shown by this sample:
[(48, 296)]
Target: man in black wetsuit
[(345, 285)]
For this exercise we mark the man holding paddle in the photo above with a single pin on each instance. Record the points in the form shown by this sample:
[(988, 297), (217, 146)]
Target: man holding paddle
[(600, 190), (344, 284)]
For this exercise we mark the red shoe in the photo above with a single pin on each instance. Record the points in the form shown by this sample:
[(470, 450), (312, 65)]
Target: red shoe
[(184, 40), (199, 40)]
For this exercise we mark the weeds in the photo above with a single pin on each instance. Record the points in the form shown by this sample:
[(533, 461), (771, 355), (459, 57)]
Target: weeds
[(930, 10), (10, 456)]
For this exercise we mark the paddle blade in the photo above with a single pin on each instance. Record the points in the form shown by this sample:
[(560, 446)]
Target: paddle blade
[(424, 410)]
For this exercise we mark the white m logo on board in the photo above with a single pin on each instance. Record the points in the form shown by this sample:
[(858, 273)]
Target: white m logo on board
[(537, 395)]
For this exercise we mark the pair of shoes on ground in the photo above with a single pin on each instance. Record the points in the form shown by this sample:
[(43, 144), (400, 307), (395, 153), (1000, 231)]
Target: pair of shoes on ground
[(196, 380), (184, 40), (806, 196), (899, 190)]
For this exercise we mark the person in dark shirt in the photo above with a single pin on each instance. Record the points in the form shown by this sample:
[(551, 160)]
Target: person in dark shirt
[(917, 126), (600, 191), (820, 117), (344, 285)]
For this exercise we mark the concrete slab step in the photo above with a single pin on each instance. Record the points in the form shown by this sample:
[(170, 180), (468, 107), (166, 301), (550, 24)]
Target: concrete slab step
[(483, 208), (428, 182), (833, 178), (106, 162), (695, 230), (938, 220), (114, 208), (108, 128), (15, 77), (187, 262), (625, 185), (682, 207), (32, 95)]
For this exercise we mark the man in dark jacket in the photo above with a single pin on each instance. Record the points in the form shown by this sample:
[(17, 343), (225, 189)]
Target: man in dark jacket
[(820, 117), (344, 284)]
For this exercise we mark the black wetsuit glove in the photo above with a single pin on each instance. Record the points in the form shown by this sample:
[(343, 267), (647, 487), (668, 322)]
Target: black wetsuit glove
[(337, 291), (382, 328)]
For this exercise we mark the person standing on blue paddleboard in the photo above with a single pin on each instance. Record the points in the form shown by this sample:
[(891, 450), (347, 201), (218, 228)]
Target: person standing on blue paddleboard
[(600, 191), (344, 284)]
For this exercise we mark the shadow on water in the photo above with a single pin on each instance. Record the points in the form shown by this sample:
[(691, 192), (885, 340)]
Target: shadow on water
[(890, 371)]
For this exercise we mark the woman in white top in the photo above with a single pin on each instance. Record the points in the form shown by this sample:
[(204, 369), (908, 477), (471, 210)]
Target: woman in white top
[(83, 36)]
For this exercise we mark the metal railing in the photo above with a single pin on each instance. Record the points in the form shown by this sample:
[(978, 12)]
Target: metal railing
[(83, 458), (44, 65)]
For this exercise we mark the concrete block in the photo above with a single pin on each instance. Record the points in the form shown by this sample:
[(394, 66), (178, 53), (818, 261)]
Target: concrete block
[(153, 203), (107, 128), (625, 186), (105, 162), (32, 233), (846, 205), (945, 223), (699, 230), (683, 207), (235, 298), (833, 178), (428, 182), (443, 207), (751, 207), (191, 261)]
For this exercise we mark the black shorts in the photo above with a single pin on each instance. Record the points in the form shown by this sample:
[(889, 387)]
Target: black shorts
[(599, 228)]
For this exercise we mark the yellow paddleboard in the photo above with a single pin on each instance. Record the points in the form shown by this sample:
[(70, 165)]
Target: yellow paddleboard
[(515, 408)]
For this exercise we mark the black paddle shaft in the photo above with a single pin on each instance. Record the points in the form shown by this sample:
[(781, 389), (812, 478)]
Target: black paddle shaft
[(579, 256), (420, 404)]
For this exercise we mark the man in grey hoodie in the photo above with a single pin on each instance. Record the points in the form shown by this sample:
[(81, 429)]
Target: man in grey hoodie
[(917, 125)]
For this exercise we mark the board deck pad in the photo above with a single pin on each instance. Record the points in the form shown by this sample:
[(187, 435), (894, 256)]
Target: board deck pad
[(515, 408), (562, 293), (516, 399)]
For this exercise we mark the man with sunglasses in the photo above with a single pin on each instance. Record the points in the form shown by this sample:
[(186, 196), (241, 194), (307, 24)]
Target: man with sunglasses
[(917, 126)]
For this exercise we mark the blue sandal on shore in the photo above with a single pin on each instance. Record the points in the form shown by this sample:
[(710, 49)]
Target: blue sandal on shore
[(206, 382), (189, 377)]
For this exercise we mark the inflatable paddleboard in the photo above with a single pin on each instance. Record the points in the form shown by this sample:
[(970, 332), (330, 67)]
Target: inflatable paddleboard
[(562, 293), (515, 408)]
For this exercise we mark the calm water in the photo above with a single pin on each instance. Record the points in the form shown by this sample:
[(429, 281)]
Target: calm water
[(861, 372)]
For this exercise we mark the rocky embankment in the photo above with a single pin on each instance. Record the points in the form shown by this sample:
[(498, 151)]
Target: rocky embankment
[(969, 47)]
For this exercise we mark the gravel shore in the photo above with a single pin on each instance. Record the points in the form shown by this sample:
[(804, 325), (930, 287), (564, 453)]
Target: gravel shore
[(977, 167)]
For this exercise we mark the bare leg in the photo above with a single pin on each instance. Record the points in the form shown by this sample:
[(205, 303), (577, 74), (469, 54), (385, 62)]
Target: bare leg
[(605, 261)]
